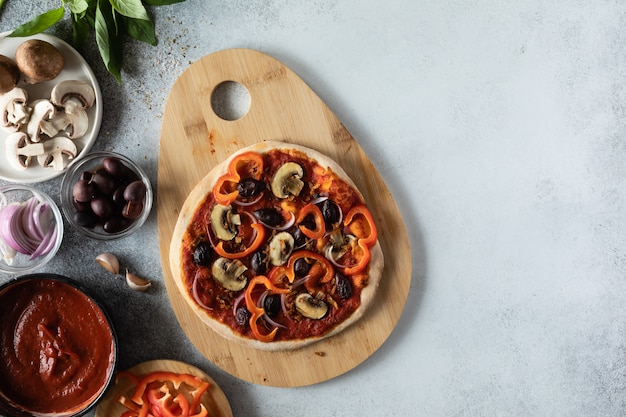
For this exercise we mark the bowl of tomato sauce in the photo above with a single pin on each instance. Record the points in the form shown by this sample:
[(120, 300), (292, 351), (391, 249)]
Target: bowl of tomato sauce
[(58, 348)]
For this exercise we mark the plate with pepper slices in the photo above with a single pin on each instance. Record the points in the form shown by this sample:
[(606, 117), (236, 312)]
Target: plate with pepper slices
[(164, 388), (276, 249)]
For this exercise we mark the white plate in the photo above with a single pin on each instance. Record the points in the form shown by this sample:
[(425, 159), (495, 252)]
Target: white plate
[(76, 68)]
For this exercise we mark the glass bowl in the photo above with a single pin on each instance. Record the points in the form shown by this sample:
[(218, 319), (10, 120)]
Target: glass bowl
[(104, 211), (31, 229), (60, 348)]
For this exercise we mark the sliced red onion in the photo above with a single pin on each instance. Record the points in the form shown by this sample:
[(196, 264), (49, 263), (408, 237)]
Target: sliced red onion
[(319, 199), (283, 304), (196, 295), (7, 220), (238, 301), (268, 320), (248, 203), (298, 282), (328, 254), (46, 243)]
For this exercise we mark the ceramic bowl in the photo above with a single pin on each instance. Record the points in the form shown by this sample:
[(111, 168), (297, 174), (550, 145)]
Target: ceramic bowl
[(104, 212), (59, 351), (31, 229)]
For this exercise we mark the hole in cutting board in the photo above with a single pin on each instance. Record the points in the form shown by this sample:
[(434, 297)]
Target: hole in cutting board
[(230, 100)]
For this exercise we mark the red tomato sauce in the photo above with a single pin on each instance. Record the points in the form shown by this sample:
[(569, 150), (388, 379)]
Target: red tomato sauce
[(57, 349)]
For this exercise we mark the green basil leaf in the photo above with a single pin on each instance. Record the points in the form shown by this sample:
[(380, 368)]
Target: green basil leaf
[(80, 30), (161, 2), (77, 6), (141, 30), (130, 8), (39, 23), (108, 40)]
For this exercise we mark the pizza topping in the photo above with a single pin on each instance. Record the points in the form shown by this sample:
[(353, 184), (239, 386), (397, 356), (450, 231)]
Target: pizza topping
[(224, 222), (271, 218), (311, 307), (246, 165), (288, 180), (311, 221), (258, 262), (258, 235), (202, 254), (250, 187), (257, 311), (281, 246), (343, 286), (330, 211), (230, 273)]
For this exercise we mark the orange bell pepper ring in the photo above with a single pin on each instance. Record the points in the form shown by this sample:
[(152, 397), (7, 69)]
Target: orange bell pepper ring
[(288, 270), (258, 240), (257, 311), (360, 222), (246, 165), (320, 227)]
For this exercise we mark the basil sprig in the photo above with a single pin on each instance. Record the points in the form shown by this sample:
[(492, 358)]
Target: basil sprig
[(111, 20)]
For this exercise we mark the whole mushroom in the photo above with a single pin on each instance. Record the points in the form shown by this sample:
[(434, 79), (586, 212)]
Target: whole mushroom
[(9, 74), (38, 61)]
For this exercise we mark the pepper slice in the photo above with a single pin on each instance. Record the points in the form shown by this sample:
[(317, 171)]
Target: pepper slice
[(249, 164), (258, 239), (320, 227), (289, 271), (360, 222), (257, 311)]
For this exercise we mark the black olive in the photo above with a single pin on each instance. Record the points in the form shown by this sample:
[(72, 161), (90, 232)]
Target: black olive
[(242, 316), (202, 254), (250, 187), (344, 286), (116, 224), (301, 267), (271, 305), (258, 263), (308, 222), (330, 211), (83, 191), (85, 219), (104, 181), (269, 216), (299, 239)]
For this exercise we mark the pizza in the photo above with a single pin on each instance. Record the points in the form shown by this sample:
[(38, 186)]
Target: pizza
[(275, 248)]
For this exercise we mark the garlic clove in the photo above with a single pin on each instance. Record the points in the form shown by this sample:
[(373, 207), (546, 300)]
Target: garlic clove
[(109, 262), (136, 283)]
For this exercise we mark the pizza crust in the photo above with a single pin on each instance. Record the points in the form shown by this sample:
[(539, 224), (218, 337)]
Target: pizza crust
[(188, 209)]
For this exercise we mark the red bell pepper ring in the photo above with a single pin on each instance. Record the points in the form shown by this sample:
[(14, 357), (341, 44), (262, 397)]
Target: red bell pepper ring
[(256, 311), (320, 227), (258, 240), (249, 164)]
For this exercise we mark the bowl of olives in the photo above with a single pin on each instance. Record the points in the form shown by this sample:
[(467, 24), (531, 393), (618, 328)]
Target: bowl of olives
[(105, 195)]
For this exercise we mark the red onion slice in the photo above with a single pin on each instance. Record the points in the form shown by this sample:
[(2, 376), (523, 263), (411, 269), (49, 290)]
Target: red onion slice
[(248, 203), (238, 301), (46, 243), (196, 295)]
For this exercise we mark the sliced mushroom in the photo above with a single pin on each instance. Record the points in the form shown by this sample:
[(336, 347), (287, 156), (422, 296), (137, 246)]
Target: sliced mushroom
[(311, 307), (230, 273), (55, 151), (281, 247), (14, 109), (73, 94), (43, 112), (288, 180), (20, 150), (224, 222), (340, 244)]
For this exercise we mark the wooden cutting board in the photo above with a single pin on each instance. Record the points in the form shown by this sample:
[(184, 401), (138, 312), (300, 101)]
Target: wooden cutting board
[(194, 139)]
